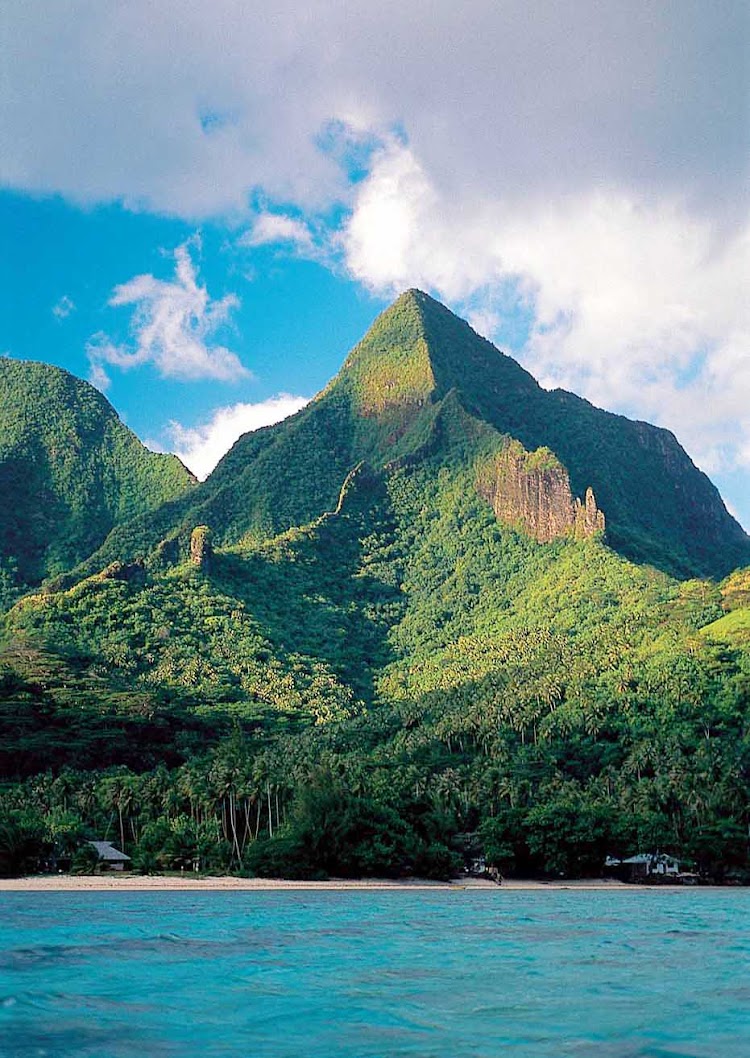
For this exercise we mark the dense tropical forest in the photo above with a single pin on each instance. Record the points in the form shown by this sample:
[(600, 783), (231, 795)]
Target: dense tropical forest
[(390, 633)]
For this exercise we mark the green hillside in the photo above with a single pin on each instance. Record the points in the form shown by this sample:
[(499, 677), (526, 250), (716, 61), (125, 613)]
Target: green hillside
[(402, 625), (734, 626), (353, 695), (69, 471)]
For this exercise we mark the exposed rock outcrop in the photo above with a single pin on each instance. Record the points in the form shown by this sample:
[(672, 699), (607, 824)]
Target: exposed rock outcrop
[(532, 489), (130, 572), (201, 549)]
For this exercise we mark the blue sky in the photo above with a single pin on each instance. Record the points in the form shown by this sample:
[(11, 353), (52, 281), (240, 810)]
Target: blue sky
[(204, 206), (292, 326)]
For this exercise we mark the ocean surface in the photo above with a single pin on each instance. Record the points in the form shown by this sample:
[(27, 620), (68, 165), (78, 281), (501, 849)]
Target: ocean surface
[(633, 974)]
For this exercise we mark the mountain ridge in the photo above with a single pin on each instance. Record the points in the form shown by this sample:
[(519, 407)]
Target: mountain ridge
[(659, 508)]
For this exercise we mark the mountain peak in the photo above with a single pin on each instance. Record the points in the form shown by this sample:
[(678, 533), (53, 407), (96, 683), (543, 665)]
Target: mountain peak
[(416, 351), (423, 302), (659, 507), (390, 368)]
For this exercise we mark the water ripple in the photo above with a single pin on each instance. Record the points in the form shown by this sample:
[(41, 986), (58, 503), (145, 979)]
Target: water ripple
[(375, 975)]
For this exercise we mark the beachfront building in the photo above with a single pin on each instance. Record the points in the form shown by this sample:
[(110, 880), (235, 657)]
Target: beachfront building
[(110, 857), (644, 867)]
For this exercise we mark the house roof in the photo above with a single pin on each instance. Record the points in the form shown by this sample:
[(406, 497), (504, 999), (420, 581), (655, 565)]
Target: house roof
[(108, 852), (651, 857)]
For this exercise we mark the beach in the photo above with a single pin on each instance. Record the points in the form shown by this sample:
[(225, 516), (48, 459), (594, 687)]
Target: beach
[(159, 883)]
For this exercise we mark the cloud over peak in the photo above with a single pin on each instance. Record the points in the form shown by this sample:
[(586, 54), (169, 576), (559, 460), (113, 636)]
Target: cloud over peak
[(201, 447), (579, 167)]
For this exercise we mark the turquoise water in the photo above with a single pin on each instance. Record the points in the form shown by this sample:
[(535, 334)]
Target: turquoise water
[(634, 974)]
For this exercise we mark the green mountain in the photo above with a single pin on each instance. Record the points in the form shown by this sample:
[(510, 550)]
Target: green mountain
[(411, 622), (422, 379), (69, 471)]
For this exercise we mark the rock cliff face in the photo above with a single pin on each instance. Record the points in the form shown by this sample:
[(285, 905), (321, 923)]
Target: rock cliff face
[(532, 489)]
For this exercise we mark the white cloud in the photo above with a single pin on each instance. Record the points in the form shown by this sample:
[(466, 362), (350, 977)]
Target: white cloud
[(485, 321), (271, 228), (63, 308), (173, 325), (402, 232), (201, 447), (189, 109), (97, 375), (589, 159)]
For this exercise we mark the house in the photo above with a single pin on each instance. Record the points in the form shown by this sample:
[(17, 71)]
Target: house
[(665, 867), (644, 867), (110, 857)]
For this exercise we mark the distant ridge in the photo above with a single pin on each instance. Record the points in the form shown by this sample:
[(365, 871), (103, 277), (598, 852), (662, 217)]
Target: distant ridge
[(69, 470)]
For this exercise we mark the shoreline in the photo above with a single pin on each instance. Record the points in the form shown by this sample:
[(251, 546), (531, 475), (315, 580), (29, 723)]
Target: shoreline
[(162, 883)]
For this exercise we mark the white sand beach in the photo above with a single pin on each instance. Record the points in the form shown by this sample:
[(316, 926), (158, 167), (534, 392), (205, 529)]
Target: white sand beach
[(153, 883)]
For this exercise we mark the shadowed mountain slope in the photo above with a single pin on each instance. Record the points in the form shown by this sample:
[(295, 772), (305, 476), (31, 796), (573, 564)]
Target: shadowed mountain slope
[(69, 470)]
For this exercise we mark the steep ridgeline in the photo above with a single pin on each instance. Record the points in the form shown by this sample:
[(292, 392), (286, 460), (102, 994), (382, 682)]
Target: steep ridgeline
[(69, 471), (423, 381)]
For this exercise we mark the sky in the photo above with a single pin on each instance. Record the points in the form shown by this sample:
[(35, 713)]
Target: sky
[(203, 205)]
